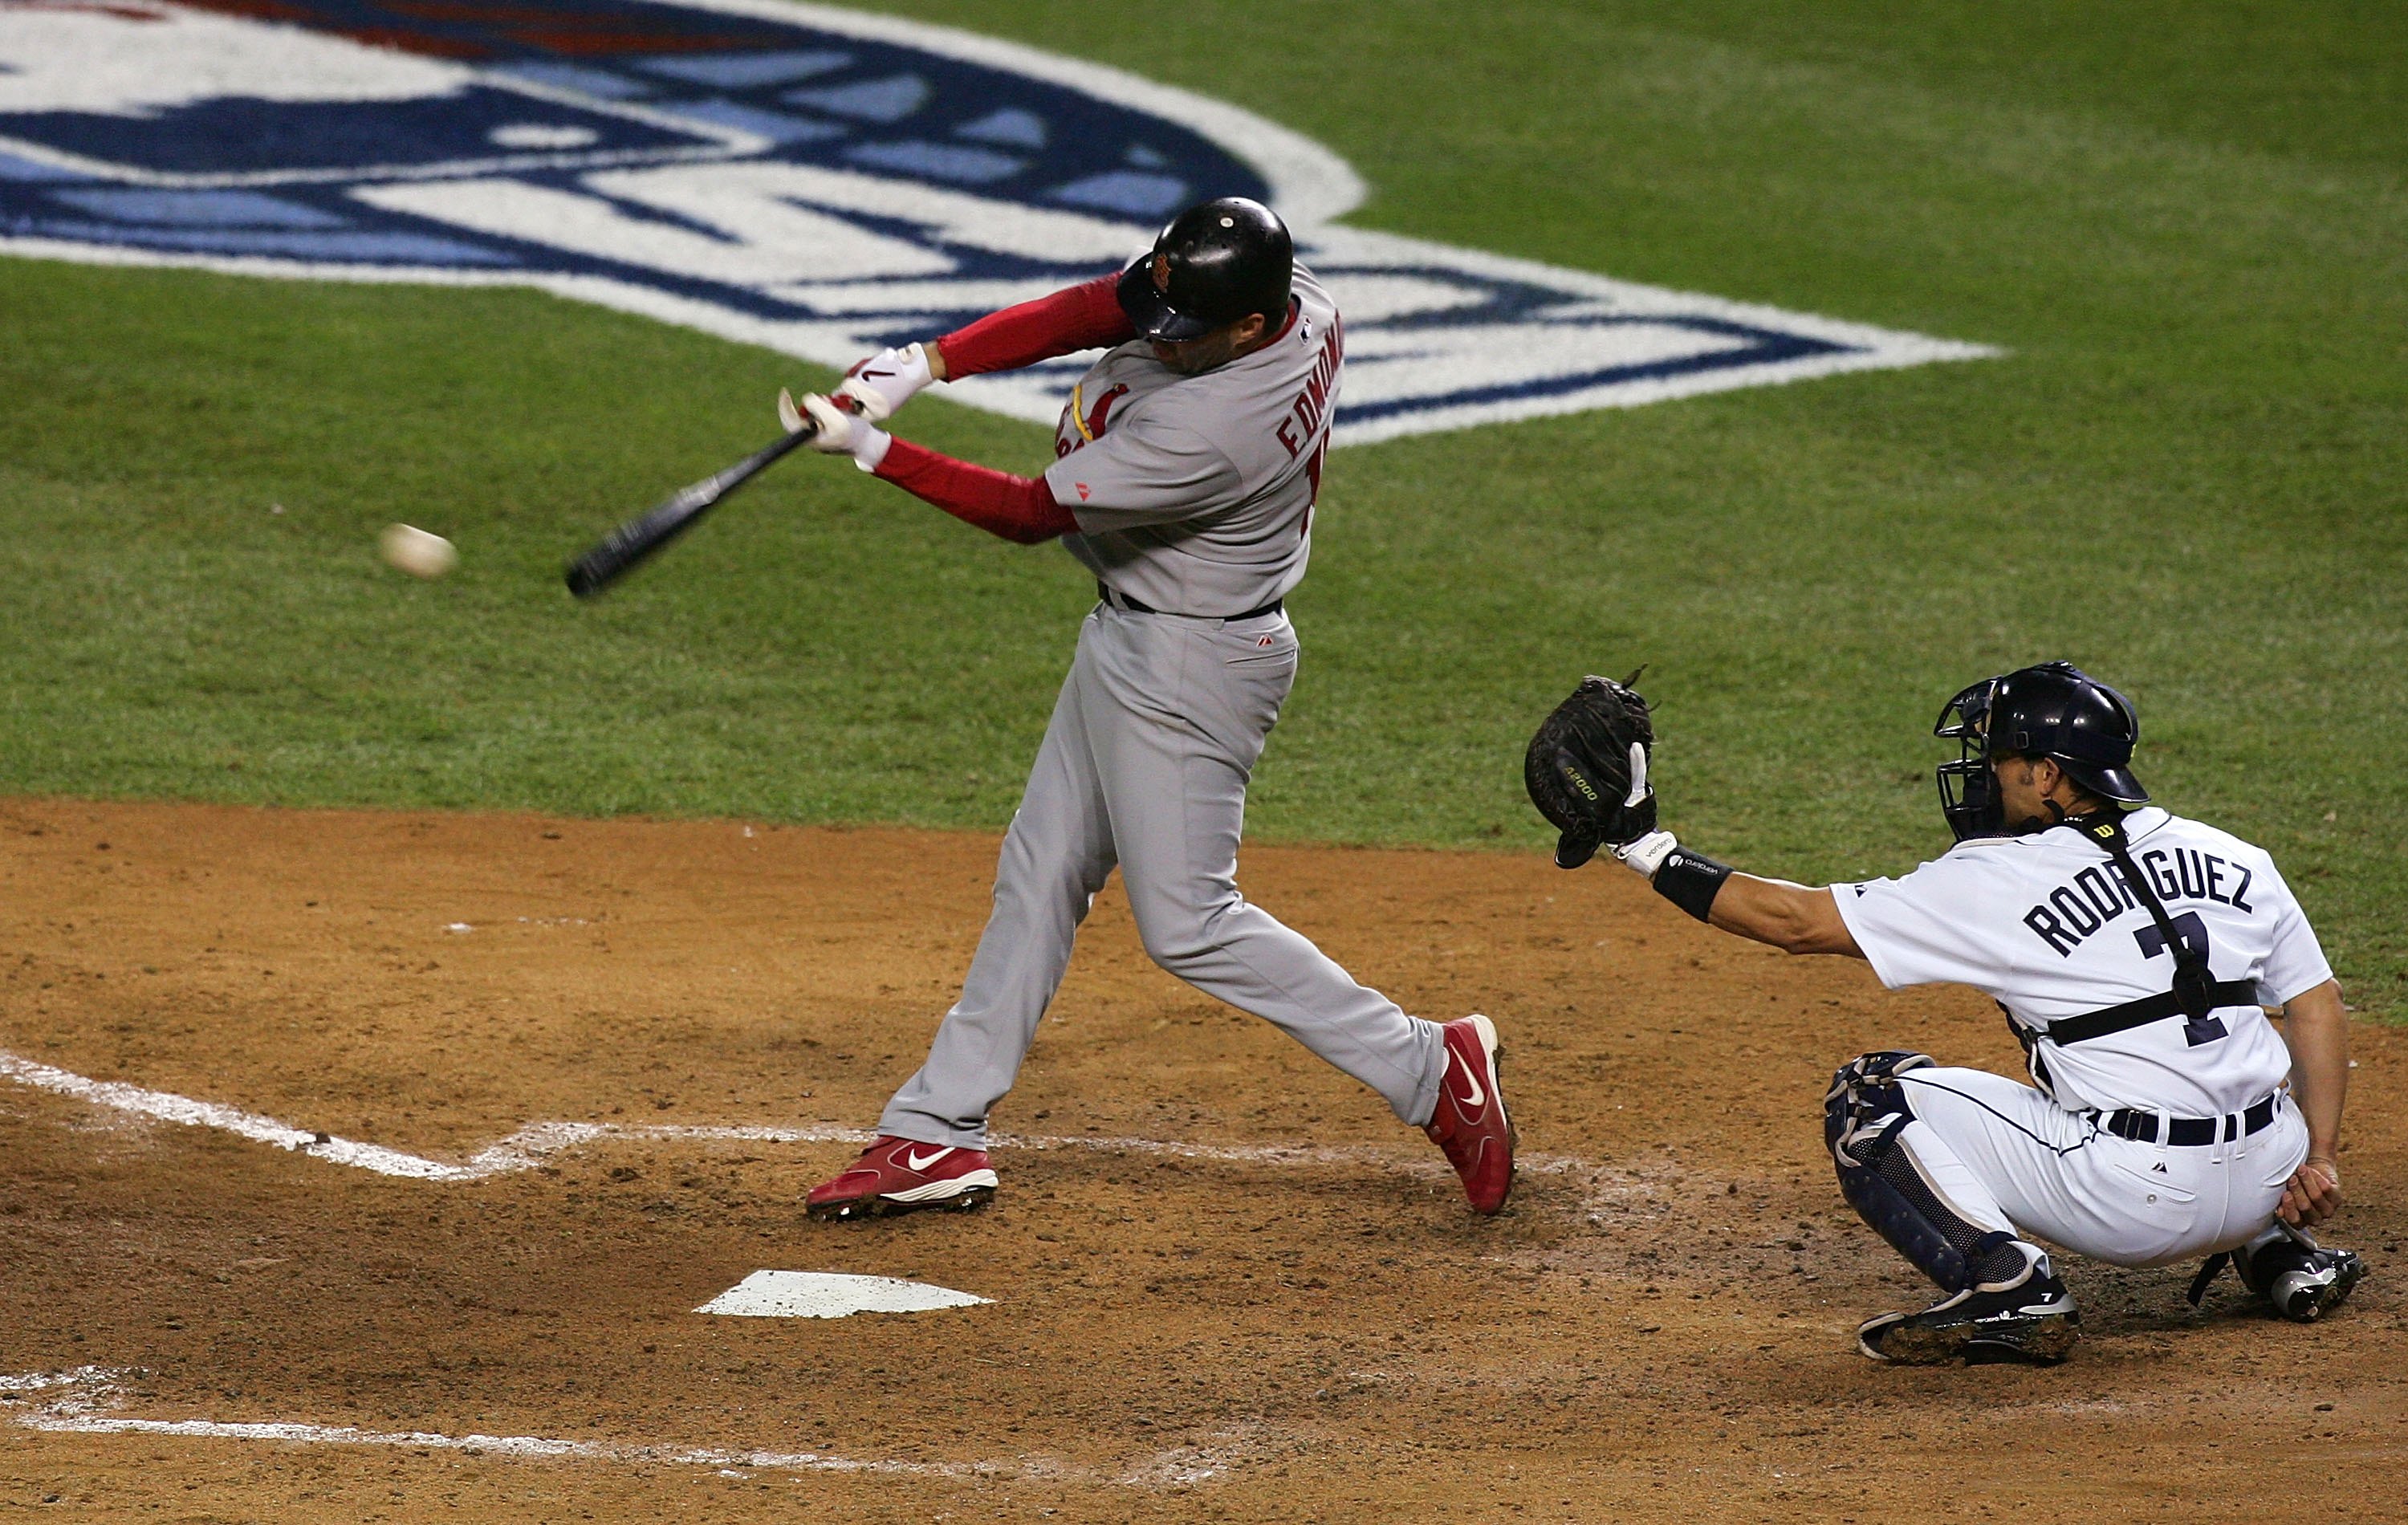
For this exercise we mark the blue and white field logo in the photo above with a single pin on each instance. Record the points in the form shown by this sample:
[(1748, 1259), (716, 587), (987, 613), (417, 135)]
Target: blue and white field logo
[(820, 181)]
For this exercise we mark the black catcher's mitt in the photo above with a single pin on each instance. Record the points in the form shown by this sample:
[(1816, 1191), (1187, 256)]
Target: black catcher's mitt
[(1580, 769)]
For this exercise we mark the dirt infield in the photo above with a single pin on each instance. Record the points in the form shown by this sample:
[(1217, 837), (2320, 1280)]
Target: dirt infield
[(1226, 1283)]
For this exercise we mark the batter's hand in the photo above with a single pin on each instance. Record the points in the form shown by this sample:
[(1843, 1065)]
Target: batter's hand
[(2312, 1195), (886, 380), (841, 431)]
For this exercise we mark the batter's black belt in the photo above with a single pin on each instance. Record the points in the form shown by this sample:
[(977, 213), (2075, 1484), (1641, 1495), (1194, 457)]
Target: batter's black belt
[(2134, 1014), (2141, 1127), (1122, 600)]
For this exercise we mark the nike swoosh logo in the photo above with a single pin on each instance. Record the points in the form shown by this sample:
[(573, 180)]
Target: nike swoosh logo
[(1474, 1099), (914, 1161)]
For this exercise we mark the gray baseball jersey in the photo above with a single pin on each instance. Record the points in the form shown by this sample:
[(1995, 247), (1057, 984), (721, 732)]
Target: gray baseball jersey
[(1194, 493)]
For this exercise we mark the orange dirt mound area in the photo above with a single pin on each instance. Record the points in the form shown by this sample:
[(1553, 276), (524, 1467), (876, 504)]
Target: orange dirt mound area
[(1224, 1282)]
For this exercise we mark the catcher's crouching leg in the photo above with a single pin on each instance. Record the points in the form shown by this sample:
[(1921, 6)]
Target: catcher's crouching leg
[(1864, 1114), (2004, 1301)]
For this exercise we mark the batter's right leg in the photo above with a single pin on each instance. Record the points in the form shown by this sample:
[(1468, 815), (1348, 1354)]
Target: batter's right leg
[(1057, 855), (1178, 715), (931, 1148)]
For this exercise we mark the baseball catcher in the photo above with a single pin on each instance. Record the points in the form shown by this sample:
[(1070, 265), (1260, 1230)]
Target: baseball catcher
[(2136, 955)]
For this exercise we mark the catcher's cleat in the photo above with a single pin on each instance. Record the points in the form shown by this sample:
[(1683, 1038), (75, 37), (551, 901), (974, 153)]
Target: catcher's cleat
[(1470, 1123), (2033, 1321), (902, 1176), (2299, 1278)]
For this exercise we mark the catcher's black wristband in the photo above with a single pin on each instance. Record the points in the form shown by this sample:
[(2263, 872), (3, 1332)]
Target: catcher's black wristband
[(1690, 881)]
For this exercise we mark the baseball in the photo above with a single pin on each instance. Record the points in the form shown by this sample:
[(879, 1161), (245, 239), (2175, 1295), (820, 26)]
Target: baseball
[(414, 551)]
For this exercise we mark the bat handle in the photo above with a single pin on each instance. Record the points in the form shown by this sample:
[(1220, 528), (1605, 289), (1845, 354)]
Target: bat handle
[(640, 538)]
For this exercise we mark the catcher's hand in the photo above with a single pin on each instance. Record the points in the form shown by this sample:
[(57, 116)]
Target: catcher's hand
[(2313, 1194), (1586, 769)]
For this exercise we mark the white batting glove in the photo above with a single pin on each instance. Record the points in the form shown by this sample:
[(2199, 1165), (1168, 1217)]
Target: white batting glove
[(839, 431), (886, 380), (1647, 854)]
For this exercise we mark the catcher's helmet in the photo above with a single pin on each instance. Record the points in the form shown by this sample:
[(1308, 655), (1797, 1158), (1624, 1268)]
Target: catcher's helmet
[(1216, 262), (2055, 710)]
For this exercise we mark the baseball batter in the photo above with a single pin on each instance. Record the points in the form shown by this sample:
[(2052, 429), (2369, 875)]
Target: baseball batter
[(1187, 461), (2133, 953)]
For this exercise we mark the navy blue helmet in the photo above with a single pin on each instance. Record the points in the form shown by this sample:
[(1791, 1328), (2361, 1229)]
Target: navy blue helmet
[(2055, 710)]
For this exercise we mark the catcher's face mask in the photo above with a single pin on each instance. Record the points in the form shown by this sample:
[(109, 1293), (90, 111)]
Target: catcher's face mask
[(1969, 791)]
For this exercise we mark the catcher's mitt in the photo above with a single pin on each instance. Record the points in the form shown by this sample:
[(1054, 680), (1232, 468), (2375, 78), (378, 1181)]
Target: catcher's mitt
[(1586, 769)]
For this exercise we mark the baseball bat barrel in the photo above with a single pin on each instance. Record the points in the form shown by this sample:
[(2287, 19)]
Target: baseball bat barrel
[(627, 546)]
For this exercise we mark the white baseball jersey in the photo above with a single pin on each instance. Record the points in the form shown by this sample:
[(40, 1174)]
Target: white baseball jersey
[(1194, 493), (2045, 926)]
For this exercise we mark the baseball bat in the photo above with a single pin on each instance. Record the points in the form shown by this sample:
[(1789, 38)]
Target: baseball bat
[(625, 547)]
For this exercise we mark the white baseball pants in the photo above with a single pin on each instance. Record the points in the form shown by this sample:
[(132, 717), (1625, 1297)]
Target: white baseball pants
[(2007, 1159)]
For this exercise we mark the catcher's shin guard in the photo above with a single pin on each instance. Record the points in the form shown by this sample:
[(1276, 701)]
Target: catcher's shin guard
[(1864, 1114)]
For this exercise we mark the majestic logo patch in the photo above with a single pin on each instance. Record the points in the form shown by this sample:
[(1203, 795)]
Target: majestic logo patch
[(816, 180)]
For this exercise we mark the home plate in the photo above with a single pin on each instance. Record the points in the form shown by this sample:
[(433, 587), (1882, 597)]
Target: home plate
[(825, 1294)]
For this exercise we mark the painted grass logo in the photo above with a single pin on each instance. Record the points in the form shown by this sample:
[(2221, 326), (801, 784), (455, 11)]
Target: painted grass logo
[(816, 180)]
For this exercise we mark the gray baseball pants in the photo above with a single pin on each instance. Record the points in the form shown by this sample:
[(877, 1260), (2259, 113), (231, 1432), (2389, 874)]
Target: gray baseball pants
[(1145, 764)]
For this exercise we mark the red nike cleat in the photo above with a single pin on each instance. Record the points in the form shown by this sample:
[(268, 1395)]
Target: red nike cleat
[(1470, 1124), (900, 1175)]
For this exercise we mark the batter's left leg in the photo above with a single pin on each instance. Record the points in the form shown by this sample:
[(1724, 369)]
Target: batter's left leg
[(1178, 719)]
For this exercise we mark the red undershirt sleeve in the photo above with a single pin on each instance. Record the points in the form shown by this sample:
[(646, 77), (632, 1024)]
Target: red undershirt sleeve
[(1019, 509), (1084, 317)]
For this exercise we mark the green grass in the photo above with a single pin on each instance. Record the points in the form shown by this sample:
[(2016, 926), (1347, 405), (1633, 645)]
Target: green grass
[(2187, 222)]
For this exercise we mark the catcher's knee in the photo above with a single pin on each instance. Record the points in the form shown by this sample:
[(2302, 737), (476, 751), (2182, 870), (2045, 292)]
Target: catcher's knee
[(1864, 1115), (1865, 1091)]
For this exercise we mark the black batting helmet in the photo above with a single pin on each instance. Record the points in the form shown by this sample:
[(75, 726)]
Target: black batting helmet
[(1216, 262), (2055, 710)]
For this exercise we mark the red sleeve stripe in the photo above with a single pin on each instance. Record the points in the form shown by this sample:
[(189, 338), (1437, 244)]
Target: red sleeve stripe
[(1080, 317), (1018, 509)]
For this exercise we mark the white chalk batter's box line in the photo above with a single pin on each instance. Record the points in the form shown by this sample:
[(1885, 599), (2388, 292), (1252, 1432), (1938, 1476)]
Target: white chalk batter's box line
[(81, 1402), (531, 1146)]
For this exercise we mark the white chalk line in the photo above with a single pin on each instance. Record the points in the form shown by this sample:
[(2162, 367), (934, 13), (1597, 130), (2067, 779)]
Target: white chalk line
[(532, 1145), (84, 1395)]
